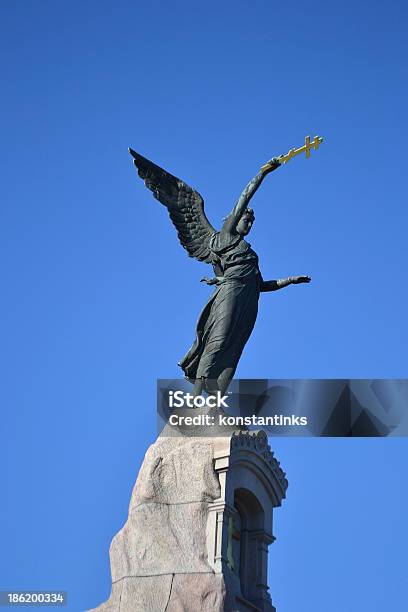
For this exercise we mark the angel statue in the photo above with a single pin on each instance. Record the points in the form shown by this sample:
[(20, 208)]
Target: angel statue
[(228, 318)]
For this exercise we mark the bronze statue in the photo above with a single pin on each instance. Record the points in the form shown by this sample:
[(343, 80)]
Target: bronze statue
[(228, 318)]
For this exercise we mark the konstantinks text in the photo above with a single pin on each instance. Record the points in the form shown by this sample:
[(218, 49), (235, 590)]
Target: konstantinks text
[(207, 420)]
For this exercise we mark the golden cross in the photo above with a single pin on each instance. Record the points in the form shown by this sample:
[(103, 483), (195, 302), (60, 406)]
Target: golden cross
[(307, 147)]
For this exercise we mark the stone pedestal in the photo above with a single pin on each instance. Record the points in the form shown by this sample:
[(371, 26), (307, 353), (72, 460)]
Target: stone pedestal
[(199, 527)]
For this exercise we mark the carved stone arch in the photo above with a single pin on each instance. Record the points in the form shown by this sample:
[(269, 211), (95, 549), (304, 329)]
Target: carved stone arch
[(251, 520), (240, 521), (250, 508)]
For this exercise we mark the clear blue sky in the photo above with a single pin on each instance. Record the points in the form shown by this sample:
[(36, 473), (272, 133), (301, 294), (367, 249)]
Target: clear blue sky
[(99, 300)]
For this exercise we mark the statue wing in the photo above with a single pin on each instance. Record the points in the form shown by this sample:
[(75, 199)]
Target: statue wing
[(185, 206)]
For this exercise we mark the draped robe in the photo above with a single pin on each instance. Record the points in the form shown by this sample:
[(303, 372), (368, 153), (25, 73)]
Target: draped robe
[(228, 318)]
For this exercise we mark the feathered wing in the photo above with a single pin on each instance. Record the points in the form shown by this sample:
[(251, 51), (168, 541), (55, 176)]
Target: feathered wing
[(185, 206)]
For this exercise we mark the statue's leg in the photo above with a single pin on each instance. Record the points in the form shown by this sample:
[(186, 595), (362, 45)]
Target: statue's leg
[(211, 386), (198, 386), (224, 379)]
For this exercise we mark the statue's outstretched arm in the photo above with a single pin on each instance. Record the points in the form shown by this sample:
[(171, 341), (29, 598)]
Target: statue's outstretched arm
[(233, 218), (274, 285)]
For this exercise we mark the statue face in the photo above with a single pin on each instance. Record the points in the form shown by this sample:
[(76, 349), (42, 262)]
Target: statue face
[(244, 225)]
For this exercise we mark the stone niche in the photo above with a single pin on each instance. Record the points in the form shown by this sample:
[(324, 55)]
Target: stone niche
[(199, 527), (240, 521)]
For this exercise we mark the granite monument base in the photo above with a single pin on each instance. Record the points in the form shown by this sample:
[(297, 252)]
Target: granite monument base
[(199, 527)]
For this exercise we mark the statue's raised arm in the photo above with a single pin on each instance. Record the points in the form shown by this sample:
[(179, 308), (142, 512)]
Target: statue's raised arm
[(231, 222), (184, 204)]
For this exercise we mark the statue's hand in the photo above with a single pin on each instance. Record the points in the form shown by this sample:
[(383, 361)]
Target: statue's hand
[(296, 280), (271, 165), (210, 281)]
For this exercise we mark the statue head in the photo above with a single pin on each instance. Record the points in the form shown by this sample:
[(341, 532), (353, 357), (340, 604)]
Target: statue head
[(245, 223)]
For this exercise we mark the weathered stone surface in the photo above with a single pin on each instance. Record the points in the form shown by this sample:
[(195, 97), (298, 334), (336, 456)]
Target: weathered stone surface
[(149, 593), (161, 539), (171, 495), (167, 593), (165, 533), (198, 592), (135, 594), (177, 471)]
